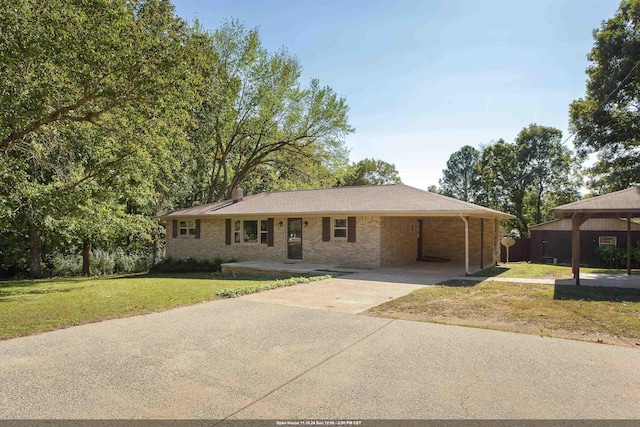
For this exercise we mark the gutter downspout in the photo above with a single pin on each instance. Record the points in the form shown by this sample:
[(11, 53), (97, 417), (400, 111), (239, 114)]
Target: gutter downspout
[(466, 245)]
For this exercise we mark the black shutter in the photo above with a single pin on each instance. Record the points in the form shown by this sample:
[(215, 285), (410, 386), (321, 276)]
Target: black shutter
[(269, 231), (351, 229), (227, 231), (175, 228), (197, 228), (326, 229)]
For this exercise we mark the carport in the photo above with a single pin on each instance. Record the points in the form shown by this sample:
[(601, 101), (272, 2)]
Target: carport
[(620, 204)]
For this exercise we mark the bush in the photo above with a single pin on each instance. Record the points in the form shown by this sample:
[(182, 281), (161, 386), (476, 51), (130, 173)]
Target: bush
[(65, 265), (236, 292), (613, 257), (131, 262), (189, 265), (102, 262)]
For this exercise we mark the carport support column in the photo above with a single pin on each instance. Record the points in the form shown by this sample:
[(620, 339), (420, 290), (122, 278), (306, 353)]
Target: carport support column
[(576, 221), (466, 245), (629, 244)]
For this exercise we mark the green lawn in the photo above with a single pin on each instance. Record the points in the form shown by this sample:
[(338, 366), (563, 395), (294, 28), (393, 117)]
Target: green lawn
[(607, 315), (539, 271), (33, 306)]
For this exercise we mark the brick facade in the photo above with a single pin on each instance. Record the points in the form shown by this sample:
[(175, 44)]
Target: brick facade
[(444, 238), (363, 253), (380, 242), (399, 241)]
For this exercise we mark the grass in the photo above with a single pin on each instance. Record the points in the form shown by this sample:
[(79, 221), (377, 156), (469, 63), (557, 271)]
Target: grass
[(585, 313), (32, 306), (539, 271)]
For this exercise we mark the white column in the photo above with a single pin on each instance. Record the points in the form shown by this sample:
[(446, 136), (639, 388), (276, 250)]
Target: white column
[(466, 245)]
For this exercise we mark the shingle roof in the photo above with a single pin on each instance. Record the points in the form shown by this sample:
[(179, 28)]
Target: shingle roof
[(387, 200), (202, 210), (620, 203)]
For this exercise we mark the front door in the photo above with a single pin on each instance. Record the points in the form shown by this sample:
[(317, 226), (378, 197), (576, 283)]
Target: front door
[(294, 238)]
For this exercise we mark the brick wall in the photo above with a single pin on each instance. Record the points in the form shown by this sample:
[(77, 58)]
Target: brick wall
[(363, 253), (399, 241), (444, 238), (380, 242), (211, 244)]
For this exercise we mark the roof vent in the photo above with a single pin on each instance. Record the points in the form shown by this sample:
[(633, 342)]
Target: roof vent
[(237, 194)]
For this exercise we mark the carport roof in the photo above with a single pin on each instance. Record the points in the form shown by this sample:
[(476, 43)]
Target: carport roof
[(619, 204), (384, 200)]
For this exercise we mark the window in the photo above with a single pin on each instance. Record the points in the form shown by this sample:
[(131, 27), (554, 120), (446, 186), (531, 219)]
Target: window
[(605, 241), (250, 234), (187, 228), (236, 232), (264, 232), (339, 228), (251, 231)]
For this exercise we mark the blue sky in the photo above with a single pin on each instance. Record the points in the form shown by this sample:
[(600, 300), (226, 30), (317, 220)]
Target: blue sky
[(424, 78)]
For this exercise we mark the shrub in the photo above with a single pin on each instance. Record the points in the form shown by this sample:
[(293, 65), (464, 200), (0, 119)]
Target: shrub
[(65, 265), (102, 262), (236, 292), (131, 262), (189, 265), (614, 257)]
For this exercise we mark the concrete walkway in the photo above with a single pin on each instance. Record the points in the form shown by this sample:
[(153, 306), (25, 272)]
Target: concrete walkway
[(586, 279), (245, 359)]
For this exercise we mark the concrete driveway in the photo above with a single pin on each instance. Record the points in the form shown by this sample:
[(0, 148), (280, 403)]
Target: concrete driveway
[(247, 359), (355, 293)]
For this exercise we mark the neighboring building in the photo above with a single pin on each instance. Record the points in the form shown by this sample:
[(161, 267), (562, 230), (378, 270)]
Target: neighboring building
[(553, 239), (356, 227)]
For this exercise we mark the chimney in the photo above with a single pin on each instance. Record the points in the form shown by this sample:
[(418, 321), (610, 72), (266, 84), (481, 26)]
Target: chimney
[(237, 194)]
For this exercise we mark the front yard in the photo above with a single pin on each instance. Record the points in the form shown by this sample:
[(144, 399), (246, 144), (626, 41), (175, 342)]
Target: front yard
[(32, 306), (604, 315)]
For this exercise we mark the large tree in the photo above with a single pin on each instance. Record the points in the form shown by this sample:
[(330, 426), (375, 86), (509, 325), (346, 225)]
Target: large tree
[(607, 120), (550, 176), (460, 177), (371, 172), (258, 117), (96, 96), (496, 177), (528, 177)]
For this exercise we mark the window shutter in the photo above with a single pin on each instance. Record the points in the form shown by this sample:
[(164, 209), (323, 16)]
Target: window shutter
[(351, 229), (197, 228), (175, 228), (269, 231), (326, 229), (227, 231)]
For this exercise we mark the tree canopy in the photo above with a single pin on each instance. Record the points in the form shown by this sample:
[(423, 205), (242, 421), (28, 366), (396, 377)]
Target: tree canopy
[(606, 120), (460, 177), (371, 172), (259, 118), (526, 178), (111, 111)]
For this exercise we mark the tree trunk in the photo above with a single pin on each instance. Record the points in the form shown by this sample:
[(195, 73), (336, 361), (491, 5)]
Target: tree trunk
[(35, 246), (86, 257), (155, 248)]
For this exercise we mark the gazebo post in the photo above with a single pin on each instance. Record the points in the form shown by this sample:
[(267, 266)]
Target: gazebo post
[(629, 244), (576, 221), (575, 249)]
